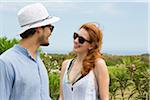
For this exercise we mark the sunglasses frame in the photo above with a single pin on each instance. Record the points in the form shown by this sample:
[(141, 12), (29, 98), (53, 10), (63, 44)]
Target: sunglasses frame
[(51, 27), (81, 39)]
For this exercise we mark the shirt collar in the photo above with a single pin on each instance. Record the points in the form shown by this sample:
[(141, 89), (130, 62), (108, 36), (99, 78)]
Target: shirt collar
[(25, 51)]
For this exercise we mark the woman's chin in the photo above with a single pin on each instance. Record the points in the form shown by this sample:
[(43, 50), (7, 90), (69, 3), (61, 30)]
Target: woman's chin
[(75, 50)]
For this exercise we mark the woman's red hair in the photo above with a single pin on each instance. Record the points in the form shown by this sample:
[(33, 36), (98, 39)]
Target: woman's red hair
[(96, 36)]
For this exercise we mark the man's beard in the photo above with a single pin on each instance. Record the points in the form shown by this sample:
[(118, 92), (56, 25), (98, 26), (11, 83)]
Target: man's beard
[(44, 44), (41, 40)]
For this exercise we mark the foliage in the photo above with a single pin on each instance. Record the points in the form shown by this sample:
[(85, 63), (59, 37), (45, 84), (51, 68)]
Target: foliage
[(54, 85), (141, 79), (6, 44), (111, 60), (131, 79), (53, 65), (129, 75), (113, 86)]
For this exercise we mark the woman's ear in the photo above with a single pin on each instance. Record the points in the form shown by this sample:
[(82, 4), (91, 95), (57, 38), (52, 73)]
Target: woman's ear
[(91, 47)]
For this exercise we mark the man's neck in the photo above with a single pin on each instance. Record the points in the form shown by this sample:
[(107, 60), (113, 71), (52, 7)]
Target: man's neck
[(31, 45)]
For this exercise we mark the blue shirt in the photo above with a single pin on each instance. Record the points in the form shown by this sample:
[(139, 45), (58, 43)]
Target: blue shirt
[(22, 77)]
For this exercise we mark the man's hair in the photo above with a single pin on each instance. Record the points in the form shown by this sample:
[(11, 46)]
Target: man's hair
[(28, 33)]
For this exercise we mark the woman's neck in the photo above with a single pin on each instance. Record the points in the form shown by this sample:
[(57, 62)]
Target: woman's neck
[(80, 57)]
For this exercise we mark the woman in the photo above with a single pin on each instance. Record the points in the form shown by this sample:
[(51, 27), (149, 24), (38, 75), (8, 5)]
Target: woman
[(86, 76)]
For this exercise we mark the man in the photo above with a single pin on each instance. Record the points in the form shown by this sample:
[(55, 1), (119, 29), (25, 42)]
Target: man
[(23, 75)]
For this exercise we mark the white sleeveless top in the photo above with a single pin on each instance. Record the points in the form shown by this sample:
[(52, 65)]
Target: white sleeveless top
[(83, 89)]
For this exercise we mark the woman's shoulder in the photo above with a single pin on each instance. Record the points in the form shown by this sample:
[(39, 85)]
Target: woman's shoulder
[(100, 64), (100, 61), (65, 63)]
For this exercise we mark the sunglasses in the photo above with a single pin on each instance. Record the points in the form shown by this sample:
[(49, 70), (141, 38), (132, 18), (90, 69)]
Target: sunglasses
[(81, 39), (50, 26)]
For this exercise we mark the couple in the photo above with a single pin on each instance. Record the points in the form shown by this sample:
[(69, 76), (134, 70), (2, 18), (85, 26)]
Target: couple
[(24, 77)]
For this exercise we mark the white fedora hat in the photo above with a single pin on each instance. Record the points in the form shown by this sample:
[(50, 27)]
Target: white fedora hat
[(34, 15)]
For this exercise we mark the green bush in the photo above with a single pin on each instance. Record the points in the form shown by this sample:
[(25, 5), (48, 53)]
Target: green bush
[(54, 82), (129, 75), (130, 80), (6, 44)]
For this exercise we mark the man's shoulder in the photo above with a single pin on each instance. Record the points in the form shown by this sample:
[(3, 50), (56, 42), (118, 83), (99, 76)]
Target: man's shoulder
[(8, 54), (6, 60)]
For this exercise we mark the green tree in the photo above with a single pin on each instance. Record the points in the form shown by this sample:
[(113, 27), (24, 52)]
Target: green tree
[(54, 82), (113, 86), (6, 44)]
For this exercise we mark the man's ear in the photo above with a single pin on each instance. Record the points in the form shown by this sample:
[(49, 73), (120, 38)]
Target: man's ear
[(38, 29)]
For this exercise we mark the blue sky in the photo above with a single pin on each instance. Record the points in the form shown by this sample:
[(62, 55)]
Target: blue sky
[(124, 23)]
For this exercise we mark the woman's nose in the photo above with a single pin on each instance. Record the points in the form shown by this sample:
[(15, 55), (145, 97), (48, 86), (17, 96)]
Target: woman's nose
[(76, 40)]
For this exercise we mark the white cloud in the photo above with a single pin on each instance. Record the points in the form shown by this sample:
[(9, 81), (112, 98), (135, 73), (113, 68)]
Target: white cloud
[(56, 6), (101, 7), (11, 6), (109, 8), (61, 6)]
